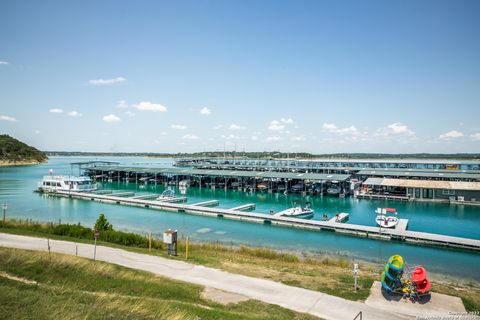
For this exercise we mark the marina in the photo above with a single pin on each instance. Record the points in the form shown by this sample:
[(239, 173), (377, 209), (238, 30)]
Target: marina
[(457, 221), (236, 213), (401, 180)]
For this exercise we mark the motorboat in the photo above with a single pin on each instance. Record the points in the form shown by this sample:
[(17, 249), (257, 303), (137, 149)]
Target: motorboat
[(53, 183), (297, 187), (297, 211), (262, 186), (167, 194), (384, 220), (334, 189)]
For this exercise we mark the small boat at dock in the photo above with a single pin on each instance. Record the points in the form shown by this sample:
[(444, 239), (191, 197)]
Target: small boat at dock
[(297, 211), (384, 220)]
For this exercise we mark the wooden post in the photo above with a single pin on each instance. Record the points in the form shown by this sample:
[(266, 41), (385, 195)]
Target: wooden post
[(150, 242), (186, 249), (48, 246)]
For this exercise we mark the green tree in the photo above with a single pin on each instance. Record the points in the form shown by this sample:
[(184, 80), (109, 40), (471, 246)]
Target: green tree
[(102, 223)]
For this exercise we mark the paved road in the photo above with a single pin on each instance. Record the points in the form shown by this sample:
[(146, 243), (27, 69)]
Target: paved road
[(293, 298)]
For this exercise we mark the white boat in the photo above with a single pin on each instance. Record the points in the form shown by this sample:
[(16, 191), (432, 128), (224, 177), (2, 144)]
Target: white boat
[(297, 212), (384, 220), (167, 194), (53, 183)]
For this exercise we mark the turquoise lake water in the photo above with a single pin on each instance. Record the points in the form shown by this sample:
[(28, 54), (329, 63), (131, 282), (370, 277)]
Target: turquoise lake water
[(17, 185)]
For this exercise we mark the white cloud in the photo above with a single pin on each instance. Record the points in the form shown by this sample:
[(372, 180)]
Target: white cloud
[(450, 135), (190, 137), (107, 81), (276, 126), (286, 120), (218, 127), (163, 133), (130, 113), (298, 138), (178, 127), (332, 128), (395, 129), (229, 137), (4, 63), (54, 110), (111, 118), (475, 136), (254, 138), (274, 138), (205, 111), (37, 131), (234, 126), (7, 118), (122, 104), (74, 114), (148, 106)]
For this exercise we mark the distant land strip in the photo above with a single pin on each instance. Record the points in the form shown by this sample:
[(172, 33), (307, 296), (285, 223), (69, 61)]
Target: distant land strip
[(276, 155)]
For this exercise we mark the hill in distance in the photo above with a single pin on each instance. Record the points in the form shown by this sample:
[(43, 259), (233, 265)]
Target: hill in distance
[(14, 152)]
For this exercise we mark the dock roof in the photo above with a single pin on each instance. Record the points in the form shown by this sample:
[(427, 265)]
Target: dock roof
[(228, 173), (426, 184), (444, 174)]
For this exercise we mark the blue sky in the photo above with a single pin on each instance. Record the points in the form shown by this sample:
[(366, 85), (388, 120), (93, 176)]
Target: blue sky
[(315, 76)]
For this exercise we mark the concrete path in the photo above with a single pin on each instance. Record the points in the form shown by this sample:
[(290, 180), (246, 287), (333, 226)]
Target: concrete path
[(293, 298)]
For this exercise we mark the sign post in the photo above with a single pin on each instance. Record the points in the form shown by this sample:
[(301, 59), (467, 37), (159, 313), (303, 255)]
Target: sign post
[(5, 206), (355, 273), (97, 235)]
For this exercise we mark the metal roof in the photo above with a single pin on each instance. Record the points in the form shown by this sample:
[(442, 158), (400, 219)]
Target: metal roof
[(426, 184), (430, 174), (311, 167), (228, 173)]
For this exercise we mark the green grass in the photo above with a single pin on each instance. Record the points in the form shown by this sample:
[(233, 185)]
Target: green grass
[(325, 274), (69, 287)]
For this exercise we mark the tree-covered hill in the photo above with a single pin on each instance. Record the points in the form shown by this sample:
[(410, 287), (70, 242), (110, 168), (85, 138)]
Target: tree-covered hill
[(13, 152)]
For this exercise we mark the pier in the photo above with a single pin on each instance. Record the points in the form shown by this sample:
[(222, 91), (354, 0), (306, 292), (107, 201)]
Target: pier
[(209, 203), (400, 233), (341, 217), (245, 207)]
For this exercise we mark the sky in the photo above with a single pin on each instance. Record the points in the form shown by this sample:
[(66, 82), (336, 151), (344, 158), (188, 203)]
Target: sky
[(184, 76)]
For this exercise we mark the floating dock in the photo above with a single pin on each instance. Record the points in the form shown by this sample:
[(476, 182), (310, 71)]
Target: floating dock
[(209, 203), (244, 207), (123, 194), (176, 199), (353, 229), (147, 196), (342, 216)]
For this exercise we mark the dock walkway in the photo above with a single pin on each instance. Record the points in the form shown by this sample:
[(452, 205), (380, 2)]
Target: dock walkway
[(317, 225), (342, 216)]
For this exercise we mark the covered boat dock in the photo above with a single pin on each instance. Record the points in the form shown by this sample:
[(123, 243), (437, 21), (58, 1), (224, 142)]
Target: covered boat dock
[(234, 179), (413, 189)]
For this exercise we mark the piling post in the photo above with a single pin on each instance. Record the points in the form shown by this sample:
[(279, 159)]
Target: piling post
[(150, 242), (48, 247)]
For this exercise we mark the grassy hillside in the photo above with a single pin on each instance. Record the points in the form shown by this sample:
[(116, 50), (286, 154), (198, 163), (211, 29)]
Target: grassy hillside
[(326, 274), (34, 285), (13, 151)]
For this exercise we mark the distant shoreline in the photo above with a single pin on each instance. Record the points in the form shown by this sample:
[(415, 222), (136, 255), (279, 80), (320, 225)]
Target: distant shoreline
[(277, 155), (4, 163)]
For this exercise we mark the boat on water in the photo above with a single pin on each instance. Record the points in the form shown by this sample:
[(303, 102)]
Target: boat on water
[(297, 187), (53, 183), (263, 186), (297, 211), (334, 189), (167, 194), (384, 220)]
